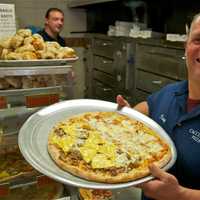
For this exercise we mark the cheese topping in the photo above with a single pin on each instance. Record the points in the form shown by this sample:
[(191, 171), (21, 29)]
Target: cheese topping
[(107, 139)]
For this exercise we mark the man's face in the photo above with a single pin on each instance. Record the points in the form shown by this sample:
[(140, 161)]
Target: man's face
[(55, 21), (192, 51)]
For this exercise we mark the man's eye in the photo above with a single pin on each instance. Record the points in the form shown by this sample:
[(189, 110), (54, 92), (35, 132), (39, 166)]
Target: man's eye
[(196, 41)]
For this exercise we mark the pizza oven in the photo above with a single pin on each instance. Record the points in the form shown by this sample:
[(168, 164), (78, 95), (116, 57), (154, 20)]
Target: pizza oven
[(109, 63)]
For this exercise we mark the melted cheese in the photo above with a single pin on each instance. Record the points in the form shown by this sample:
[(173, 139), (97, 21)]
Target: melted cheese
[(88, 153), (102, 161), (99, 139), (65, 142)]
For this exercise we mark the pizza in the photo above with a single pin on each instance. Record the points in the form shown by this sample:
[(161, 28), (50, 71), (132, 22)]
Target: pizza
[(95, 194), (13, 165), (106, 147)]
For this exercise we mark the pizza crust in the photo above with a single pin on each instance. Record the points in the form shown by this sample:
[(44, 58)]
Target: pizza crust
[(101, 177)]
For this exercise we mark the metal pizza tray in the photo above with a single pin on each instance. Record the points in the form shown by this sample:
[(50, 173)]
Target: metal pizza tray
[(33, 138), (39, 62)]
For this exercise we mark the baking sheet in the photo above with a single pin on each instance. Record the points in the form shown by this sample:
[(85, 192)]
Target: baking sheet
[(40, 62), (33, 138)]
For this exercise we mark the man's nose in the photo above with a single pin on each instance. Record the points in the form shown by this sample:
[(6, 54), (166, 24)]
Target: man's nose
[(60, 22)]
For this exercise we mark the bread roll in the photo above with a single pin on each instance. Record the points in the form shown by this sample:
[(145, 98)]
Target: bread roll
[(27, 82), (14, 81), (3, 84), (16, 41), (24, 32), (5, 43), (29, 55), (28, 47), (4, 53), (28, 40), (66, 52), (13, 56)]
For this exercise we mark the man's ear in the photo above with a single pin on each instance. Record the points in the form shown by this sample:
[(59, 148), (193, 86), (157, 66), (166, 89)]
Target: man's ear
[(46, 21)]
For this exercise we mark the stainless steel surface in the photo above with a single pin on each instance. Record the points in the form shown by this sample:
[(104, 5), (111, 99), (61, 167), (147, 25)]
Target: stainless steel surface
[(31, 91), (161, 60), (34, 70), (41, 62), (150, 82), (17, 97), (34, 133)]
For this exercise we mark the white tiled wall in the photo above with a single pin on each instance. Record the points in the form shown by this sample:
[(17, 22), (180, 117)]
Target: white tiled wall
[(31, 12)]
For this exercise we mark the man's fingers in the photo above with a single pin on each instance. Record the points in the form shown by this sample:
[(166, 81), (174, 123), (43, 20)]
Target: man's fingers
[(157, 172), (121, 101)]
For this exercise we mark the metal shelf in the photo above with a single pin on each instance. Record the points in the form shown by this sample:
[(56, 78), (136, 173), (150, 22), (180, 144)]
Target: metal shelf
[(16, 111), (31, 91), (34, 70)]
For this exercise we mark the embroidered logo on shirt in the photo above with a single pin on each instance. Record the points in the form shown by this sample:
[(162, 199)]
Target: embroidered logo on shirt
[(162, 118), (195, 135)]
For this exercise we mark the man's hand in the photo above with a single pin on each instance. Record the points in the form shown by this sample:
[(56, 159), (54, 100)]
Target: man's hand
[(122, 102), (164, 187)]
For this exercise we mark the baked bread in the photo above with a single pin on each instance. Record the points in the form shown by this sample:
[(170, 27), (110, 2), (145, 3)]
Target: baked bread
[(13, 56), (29, 55), (47, 55), (14, 81), (5, 43), (52, 45), (3, 84), (24, 32), (16, 41), (28, 47), (66, 52), (38, 42), (4, 53), (27, 82), (28, 40), (13, 48)]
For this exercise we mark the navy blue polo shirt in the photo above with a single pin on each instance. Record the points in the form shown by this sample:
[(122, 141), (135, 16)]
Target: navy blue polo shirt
[(47, 37), (168, 108)]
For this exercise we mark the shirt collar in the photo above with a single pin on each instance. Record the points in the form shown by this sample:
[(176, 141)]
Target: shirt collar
[(181, 94), (182, 89)]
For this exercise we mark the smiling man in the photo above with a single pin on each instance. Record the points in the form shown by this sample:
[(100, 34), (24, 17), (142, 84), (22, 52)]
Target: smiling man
[(176, 108), (54, 21)]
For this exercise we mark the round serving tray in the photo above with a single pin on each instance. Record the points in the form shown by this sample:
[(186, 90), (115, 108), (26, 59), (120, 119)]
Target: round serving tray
[(33, 138)]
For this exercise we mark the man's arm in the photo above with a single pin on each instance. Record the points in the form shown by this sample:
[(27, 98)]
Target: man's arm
[(142, 107)]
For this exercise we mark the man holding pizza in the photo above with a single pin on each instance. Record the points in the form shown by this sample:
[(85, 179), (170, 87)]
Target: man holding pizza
[(176, 108)]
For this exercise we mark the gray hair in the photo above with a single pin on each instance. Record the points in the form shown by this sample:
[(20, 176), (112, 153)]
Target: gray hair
[(194, 19)]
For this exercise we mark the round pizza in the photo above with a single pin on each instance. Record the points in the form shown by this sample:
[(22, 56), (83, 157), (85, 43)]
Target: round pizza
[(106, 147), (96, 194)]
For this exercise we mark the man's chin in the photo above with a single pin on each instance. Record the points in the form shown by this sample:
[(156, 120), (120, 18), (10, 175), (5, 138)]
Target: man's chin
[(58, 30)]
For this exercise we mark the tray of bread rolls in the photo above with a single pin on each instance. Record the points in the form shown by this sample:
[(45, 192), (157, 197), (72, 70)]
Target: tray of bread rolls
[(27, 49)]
